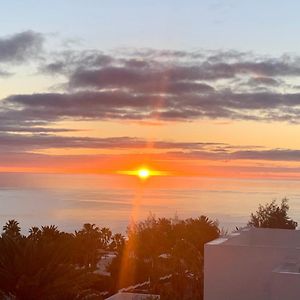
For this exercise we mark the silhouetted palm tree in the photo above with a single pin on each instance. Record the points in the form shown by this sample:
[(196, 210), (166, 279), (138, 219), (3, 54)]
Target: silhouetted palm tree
[(50, 232), (34, 233), (88, 245), (89, 228), (105, 236), (12, 228), (117, 243)]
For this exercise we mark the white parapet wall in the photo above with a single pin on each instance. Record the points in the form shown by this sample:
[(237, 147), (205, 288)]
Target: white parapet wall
[(285, 282), (244, 266)]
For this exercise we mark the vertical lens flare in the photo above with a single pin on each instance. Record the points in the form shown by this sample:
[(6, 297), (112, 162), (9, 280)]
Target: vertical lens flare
[(127, 271)]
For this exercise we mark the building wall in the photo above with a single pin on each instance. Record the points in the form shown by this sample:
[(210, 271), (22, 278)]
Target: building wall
[(235, 272), (285, 286)]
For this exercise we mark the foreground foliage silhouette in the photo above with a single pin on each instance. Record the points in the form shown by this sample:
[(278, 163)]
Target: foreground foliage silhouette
[(166, 247), (51, 264), (272, 215), (31, 269)]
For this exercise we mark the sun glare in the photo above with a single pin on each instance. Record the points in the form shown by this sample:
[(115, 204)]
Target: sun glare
[(143, 173)]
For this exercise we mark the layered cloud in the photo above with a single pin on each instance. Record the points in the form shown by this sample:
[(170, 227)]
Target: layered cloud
[(108, 105), (45, 141), (152, 84), (183, 150)]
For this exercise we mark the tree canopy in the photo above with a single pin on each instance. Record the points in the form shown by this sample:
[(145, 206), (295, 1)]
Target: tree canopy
[(159, 247), (273, 215)]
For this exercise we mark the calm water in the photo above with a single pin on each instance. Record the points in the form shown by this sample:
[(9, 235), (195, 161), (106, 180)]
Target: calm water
[(71, 200)]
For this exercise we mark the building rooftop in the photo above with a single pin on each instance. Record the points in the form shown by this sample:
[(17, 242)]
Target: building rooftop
[(253, 263), (261, 237)]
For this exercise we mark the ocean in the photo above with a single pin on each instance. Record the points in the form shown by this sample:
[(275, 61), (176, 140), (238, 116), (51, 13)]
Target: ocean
[(113, 201)]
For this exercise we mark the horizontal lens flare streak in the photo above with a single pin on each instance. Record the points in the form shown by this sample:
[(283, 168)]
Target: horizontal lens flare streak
[(143, 173)]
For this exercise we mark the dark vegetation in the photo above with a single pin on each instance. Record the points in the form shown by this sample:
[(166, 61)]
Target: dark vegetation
[(159, 247), (273, 215), (51, 264), (164, 254)]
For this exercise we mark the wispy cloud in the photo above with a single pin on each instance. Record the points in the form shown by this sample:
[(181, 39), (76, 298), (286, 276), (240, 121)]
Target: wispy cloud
[(20, 142)]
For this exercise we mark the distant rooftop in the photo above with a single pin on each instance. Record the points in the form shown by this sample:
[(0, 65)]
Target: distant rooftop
[(253, 263), (261, 237)]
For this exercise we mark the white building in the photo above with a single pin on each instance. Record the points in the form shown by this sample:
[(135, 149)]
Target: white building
[(253, 264)]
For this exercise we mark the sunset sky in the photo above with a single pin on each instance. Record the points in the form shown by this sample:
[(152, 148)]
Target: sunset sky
[(193, 88)]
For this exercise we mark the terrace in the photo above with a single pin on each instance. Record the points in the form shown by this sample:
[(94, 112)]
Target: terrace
[(253, 263)]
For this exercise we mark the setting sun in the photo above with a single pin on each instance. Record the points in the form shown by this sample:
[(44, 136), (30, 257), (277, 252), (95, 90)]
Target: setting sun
[(143, 173)]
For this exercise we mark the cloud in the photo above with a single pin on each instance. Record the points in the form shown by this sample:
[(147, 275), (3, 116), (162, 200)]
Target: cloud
[(168, 85), (20, 47), (89, 67), (36, 129), (108, 105), (256, 81), (17, 141), (184, 150), (273, 154), (154, 85), (255, 154), (4, 73), (66, 62), (140, 80)]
